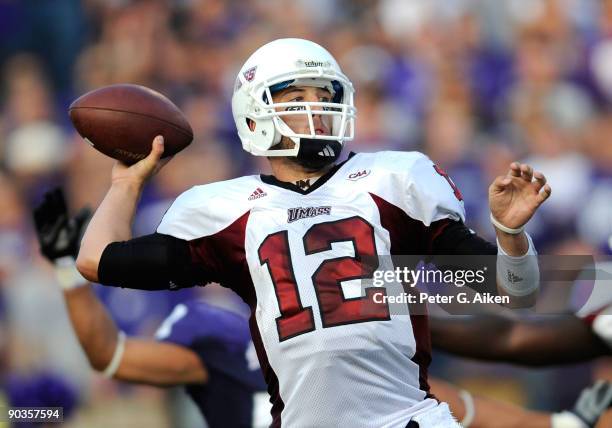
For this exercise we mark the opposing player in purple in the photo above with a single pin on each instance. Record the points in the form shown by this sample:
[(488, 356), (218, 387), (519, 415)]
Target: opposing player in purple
[(297, 245), (206, 349)]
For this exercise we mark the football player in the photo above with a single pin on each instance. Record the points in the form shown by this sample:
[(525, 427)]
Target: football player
[(548, 340), (207, 349), (295, 244)]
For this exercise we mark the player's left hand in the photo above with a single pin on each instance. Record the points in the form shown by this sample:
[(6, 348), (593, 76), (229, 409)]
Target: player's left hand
[(514, 198)]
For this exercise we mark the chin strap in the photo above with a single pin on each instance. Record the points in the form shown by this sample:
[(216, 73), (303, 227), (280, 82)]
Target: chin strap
[(316, 154)]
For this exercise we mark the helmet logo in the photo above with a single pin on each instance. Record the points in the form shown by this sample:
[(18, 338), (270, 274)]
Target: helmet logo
[(313, 63), (249, 75)]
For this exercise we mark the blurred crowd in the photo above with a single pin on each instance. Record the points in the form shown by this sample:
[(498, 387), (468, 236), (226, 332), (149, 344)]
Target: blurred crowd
[(474, 84)]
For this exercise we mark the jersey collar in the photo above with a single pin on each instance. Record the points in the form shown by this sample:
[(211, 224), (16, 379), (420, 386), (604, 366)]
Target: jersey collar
[(270, 179)]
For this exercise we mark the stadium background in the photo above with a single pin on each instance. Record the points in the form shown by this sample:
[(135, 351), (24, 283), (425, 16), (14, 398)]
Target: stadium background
[(473, 83)]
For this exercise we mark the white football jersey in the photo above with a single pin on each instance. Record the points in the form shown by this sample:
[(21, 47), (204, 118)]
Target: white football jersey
[(331, 355)]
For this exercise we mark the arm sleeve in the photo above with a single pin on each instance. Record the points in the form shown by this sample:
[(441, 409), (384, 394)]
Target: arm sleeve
[(457, 239), (457, 248), (151, 262)]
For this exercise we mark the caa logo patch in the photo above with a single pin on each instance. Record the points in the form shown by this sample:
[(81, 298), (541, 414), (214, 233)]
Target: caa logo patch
[(358, 175), (249, 75)]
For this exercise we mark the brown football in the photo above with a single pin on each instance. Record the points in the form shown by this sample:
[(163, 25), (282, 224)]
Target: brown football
[(121, 121)]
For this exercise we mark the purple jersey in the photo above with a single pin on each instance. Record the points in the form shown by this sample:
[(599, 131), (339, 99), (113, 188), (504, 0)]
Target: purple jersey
[(232, 397)]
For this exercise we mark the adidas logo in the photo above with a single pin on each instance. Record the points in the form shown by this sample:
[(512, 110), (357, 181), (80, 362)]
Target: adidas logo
[(327, 151), (514, 278), (258, 193)]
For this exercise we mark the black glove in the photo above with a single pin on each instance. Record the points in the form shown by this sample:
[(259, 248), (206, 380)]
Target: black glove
[(58, 234), (593, 402)]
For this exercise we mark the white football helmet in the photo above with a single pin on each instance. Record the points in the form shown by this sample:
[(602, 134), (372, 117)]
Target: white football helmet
[(275, 66)]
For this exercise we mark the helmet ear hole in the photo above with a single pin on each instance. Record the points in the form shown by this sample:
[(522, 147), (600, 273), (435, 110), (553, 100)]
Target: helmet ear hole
[(251, 124)]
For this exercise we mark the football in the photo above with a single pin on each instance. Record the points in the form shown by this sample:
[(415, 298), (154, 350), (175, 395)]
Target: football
[(122, 120)]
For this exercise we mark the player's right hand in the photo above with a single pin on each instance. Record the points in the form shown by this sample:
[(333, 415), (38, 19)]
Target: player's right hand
[(144, 169)]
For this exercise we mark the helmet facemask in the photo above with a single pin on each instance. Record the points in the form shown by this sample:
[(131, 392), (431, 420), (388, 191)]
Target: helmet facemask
[(314, 149)]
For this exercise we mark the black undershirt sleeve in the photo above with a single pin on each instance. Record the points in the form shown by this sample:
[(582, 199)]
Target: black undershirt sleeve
[(150, 262), (457, 239)]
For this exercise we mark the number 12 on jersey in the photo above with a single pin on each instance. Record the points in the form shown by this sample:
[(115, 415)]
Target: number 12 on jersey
[(335, 310)]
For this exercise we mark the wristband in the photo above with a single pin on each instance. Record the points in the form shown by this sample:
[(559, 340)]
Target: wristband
[(112, 367), (566, 420), (518, 276), (470, 409), (67, 274), (506, 229)]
